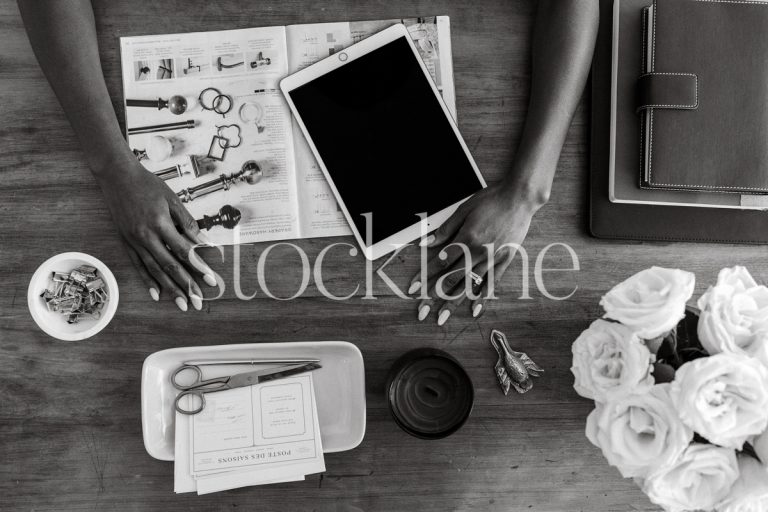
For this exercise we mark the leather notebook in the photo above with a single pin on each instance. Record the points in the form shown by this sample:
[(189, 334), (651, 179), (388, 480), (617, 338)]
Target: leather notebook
[(642, 221), (705, 96), (624, 181)]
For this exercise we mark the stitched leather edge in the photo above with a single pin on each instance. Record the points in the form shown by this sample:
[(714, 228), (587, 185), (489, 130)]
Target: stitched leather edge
[(733, 2), (643, 64), (650, 120), (615, 237), (654, 238), (688, 106)]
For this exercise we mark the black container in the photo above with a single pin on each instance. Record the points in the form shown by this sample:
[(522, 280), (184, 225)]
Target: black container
[(429, 393)]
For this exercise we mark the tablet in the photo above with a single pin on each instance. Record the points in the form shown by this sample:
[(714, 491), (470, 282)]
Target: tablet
[(384, 139)]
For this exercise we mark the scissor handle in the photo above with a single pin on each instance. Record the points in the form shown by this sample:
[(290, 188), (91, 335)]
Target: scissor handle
[(199, 394), (184, 367), (215, 384)]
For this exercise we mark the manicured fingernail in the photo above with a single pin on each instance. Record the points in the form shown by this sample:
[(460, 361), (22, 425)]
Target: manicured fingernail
[(204, 269), (414, 287), (444, 314), (476, 310), (197, 302), (209, 279), (427, 241), (423, 312), (153, 293), (182, 303), (203, 238)]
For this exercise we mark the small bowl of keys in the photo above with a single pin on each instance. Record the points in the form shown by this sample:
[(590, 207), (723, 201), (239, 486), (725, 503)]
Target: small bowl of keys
[(72, 296)]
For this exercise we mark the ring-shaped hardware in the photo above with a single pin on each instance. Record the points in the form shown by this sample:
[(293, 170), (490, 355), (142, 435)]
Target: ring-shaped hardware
[(192, 412), (225, 141), (182, 368), (476, 278), (208, 104), (222, 144), (251, 112), (217, 102)]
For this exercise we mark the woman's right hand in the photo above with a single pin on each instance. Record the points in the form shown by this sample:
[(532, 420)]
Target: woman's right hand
[(158, 231)]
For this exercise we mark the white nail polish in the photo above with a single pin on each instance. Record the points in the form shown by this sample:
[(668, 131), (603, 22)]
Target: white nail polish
[(476, 310), (209, 279), (414, 287), (154, 294), (427, 241), (423, 312), (182, 303), (197, 302), (203, 238), (444, 314)]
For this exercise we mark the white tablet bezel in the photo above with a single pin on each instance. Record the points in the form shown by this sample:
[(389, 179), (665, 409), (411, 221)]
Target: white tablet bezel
[(338, 60)]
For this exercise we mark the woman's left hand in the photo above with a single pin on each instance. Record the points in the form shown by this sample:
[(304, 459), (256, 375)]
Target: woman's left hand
[(481, 237)]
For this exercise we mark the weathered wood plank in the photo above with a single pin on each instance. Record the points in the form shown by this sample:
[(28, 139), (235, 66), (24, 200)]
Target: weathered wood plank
[(70, 431)]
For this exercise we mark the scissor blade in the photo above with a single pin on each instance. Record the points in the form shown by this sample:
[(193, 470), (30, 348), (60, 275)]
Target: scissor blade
[(254, 362), (257, 377)]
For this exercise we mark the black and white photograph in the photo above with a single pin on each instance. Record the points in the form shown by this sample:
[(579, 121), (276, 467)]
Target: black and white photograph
[(193, 66), (229, 63), (259, 60), (156, 69), (358, 256)]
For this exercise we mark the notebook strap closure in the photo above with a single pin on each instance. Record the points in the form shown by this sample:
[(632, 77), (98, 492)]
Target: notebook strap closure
[(667, 90)]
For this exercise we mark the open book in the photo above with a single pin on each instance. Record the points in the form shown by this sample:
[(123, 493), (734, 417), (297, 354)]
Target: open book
[(240, 162)]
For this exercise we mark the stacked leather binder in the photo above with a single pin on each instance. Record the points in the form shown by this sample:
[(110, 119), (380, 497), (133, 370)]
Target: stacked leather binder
[(680, 121)]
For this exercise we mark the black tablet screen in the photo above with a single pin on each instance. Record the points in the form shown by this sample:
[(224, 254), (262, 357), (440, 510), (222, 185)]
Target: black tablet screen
[(385, 140)]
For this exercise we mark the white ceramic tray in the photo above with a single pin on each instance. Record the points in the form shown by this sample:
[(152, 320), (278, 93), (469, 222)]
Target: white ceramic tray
[(339, 388)]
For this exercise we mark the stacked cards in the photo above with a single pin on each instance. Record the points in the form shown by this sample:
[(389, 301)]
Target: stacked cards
[(262, 434)]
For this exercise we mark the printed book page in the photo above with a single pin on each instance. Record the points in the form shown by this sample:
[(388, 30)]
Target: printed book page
[(310, 43), (244, 66), (230, 82)]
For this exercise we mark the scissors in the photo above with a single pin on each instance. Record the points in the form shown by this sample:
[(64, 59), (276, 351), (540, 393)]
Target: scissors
[(199, 387)]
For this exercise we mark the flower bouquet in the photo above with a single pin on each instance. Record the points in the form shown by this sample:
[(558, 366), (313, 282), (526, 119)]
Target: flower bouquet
[(681, 393)]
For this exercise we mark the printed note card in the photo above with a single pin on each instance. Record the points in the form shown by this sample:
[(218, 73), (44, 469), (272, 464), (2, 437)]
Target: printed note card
[(262, 426)]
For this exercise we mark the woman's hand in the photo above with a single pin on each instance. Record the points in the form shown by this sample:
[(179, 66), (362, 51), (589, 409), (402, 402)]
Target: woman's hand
[(482, 237), (563, 43), (159, 233)]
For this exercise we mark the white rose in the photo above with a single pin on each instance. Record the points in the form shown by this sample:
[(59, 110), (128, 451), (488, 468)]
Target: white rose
[(700, 478), (722, 397), (610, 362), (651, 302), (734, 315), (760, 444), (750, 492), (639, 433), (759, 351)]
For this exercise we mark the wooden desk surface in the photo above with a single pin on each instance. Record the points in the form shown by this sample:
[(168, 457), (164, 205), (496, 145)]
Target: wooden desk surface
[(70, 420)]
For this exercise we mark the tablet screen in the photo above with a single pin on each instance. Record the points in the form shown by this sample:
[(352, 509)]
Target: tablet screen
[(385, 140)]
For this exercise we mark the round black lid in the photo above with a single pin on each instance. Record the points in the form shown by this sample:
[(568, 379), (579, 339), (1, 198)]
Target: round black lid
[(429, 393)]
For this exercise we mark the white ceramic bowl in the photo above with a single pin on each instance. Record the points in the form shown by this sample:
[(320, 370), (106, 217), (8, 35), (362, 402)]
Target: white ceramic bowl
[(54, 323)]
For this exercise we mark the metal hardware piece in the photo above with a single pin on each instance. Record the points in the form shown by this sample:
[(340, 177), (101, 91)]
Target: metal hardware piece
[(220, 65), (228, 217), (187, 70), (76, 294), (175, 104), (250, 173), (181, 125), (513, 369), (169, 173), (213, 99)]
